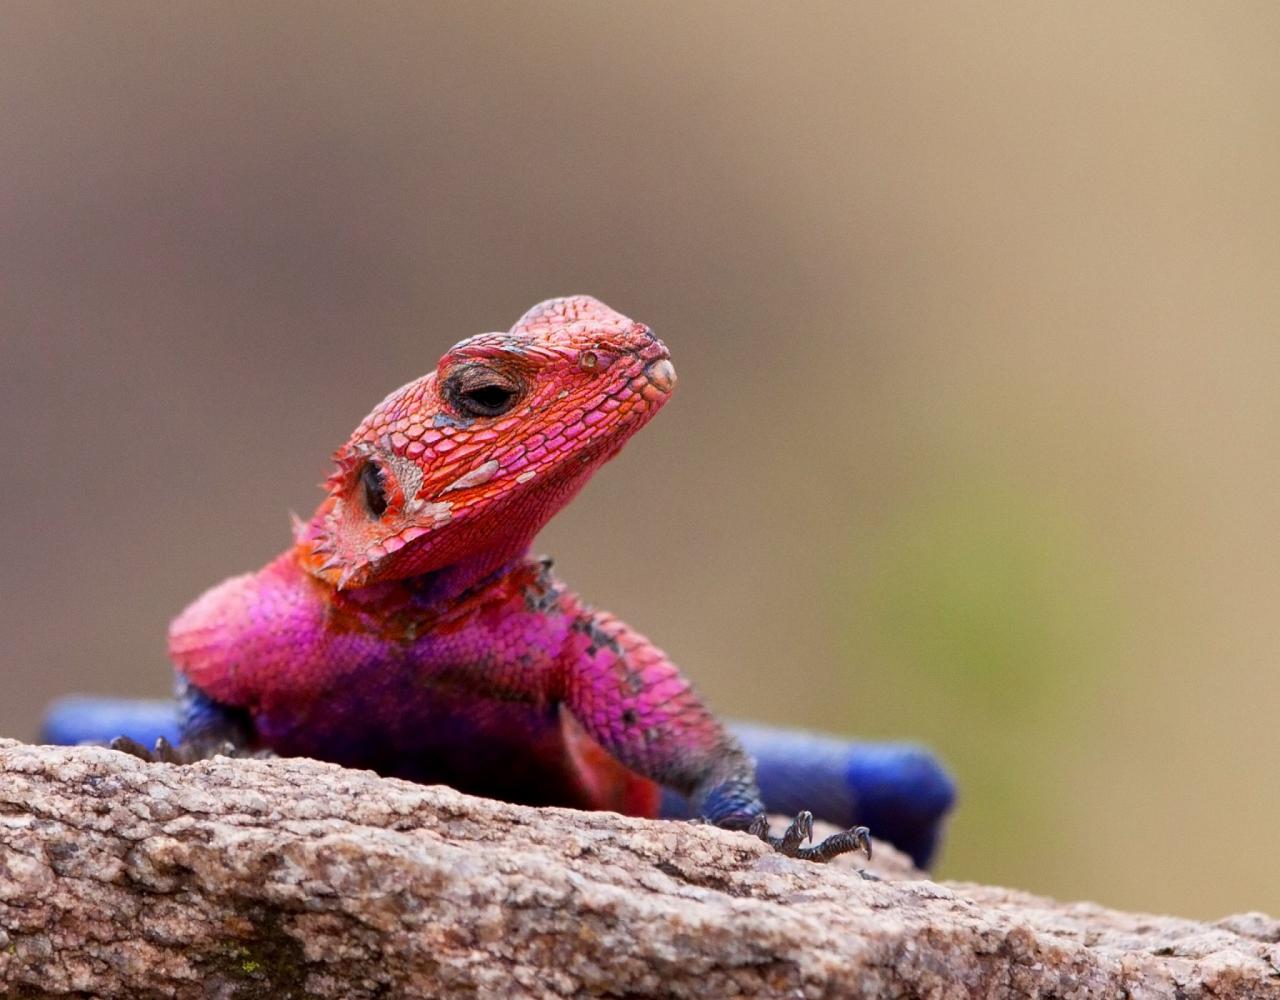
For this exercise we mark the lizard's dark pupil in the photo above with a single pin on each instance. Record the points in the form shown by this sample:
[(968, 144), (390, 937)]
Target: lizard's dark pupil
[(375, 497), (488, 400)]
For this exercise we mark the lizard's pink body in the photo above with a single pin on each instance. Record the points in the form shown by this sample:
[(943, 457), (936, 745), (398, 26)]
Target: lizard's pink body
[(409, 630)]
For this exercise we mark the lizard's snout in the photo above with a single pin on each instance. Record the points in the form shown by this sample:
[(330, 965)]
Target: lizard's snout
[(661, 374)]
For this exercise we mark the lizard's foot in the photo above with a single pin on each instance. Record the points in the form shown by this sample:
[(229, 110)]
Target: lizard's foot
[(127, 744), (801, 829), (165, 752)]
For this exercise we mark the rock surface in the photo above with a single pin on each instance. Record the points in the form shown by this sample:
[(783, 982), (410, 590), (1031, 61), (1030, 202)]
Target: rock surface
[(291, 878)]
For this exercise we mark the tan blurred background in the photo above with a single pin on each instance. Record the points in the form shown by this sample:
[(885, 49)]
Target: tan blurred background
[(974, 309)]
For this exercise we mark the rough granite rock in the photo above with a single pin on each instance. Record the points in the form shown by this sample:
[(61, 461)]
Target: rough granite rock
[(291, 878)]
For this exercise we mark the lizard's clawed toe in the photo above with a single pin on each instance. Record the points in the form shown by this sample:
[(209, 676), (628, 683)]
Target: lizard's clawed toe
[(165, 752), (801, 829), (127, 744), (797, 832)]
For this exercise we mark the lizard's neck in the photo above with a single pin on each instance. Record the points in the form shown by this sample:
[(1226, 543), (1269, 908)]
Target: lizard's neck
[(438, 589), (450, 583), (510, 534)]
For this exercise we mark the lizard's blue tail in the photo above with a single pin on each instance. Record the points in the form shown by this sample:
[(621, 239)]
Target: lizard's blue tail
[(82, 719), (900, 791)]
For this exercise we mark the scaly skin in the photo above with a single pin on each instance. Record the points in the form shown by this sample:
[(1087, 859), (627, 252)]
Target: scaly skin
[(408, 630)]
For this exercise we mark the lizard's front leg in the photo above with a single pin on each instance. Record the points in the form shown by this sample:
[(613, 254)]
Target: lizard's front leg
[(635, 703)]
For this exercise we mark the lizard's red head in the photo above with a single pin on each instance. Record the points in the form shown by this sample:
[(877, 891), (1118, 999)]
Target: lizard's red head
[(477, 455)]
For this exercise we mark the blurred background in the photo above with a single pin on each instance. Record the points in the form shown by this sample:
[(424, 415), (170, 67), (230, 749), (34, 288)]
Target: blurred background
[(977, 439)]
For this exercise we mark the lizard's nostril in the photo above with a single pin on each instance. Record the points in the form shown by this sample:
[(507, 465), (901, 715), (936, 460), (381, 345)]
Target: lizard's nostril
[(662, 374)]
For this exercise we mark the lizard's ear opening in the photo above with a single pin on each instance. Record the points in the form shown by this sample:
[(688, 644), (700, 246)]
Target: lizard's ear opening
[(370, 481), (375, 494), (362, 521)]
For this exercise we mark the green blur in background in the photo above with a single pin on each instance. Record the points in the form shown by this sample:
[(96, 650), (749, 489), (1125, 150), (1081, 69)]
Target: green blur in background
[(974, 308)]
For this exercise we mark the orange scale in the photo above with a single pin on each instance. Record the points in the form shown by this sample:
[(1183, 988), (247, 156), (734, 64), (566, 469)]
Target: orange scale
[(445, 473), (470, 448)]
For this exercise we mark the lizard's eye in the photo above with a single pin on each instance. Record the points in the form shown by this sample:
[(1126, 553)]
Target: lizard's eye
[(488, 400), (375, 495), (479, 391)]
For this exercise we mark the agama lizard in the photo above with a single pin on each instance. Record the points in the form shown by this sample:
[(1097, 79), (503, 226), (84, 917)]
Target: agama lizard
[(409, 630)]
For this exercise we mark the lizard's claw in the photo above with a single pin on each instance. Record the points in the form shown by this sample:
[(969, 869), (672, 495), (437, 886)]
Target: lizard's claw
[(801, 829), (166, 752), (797, 832)]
